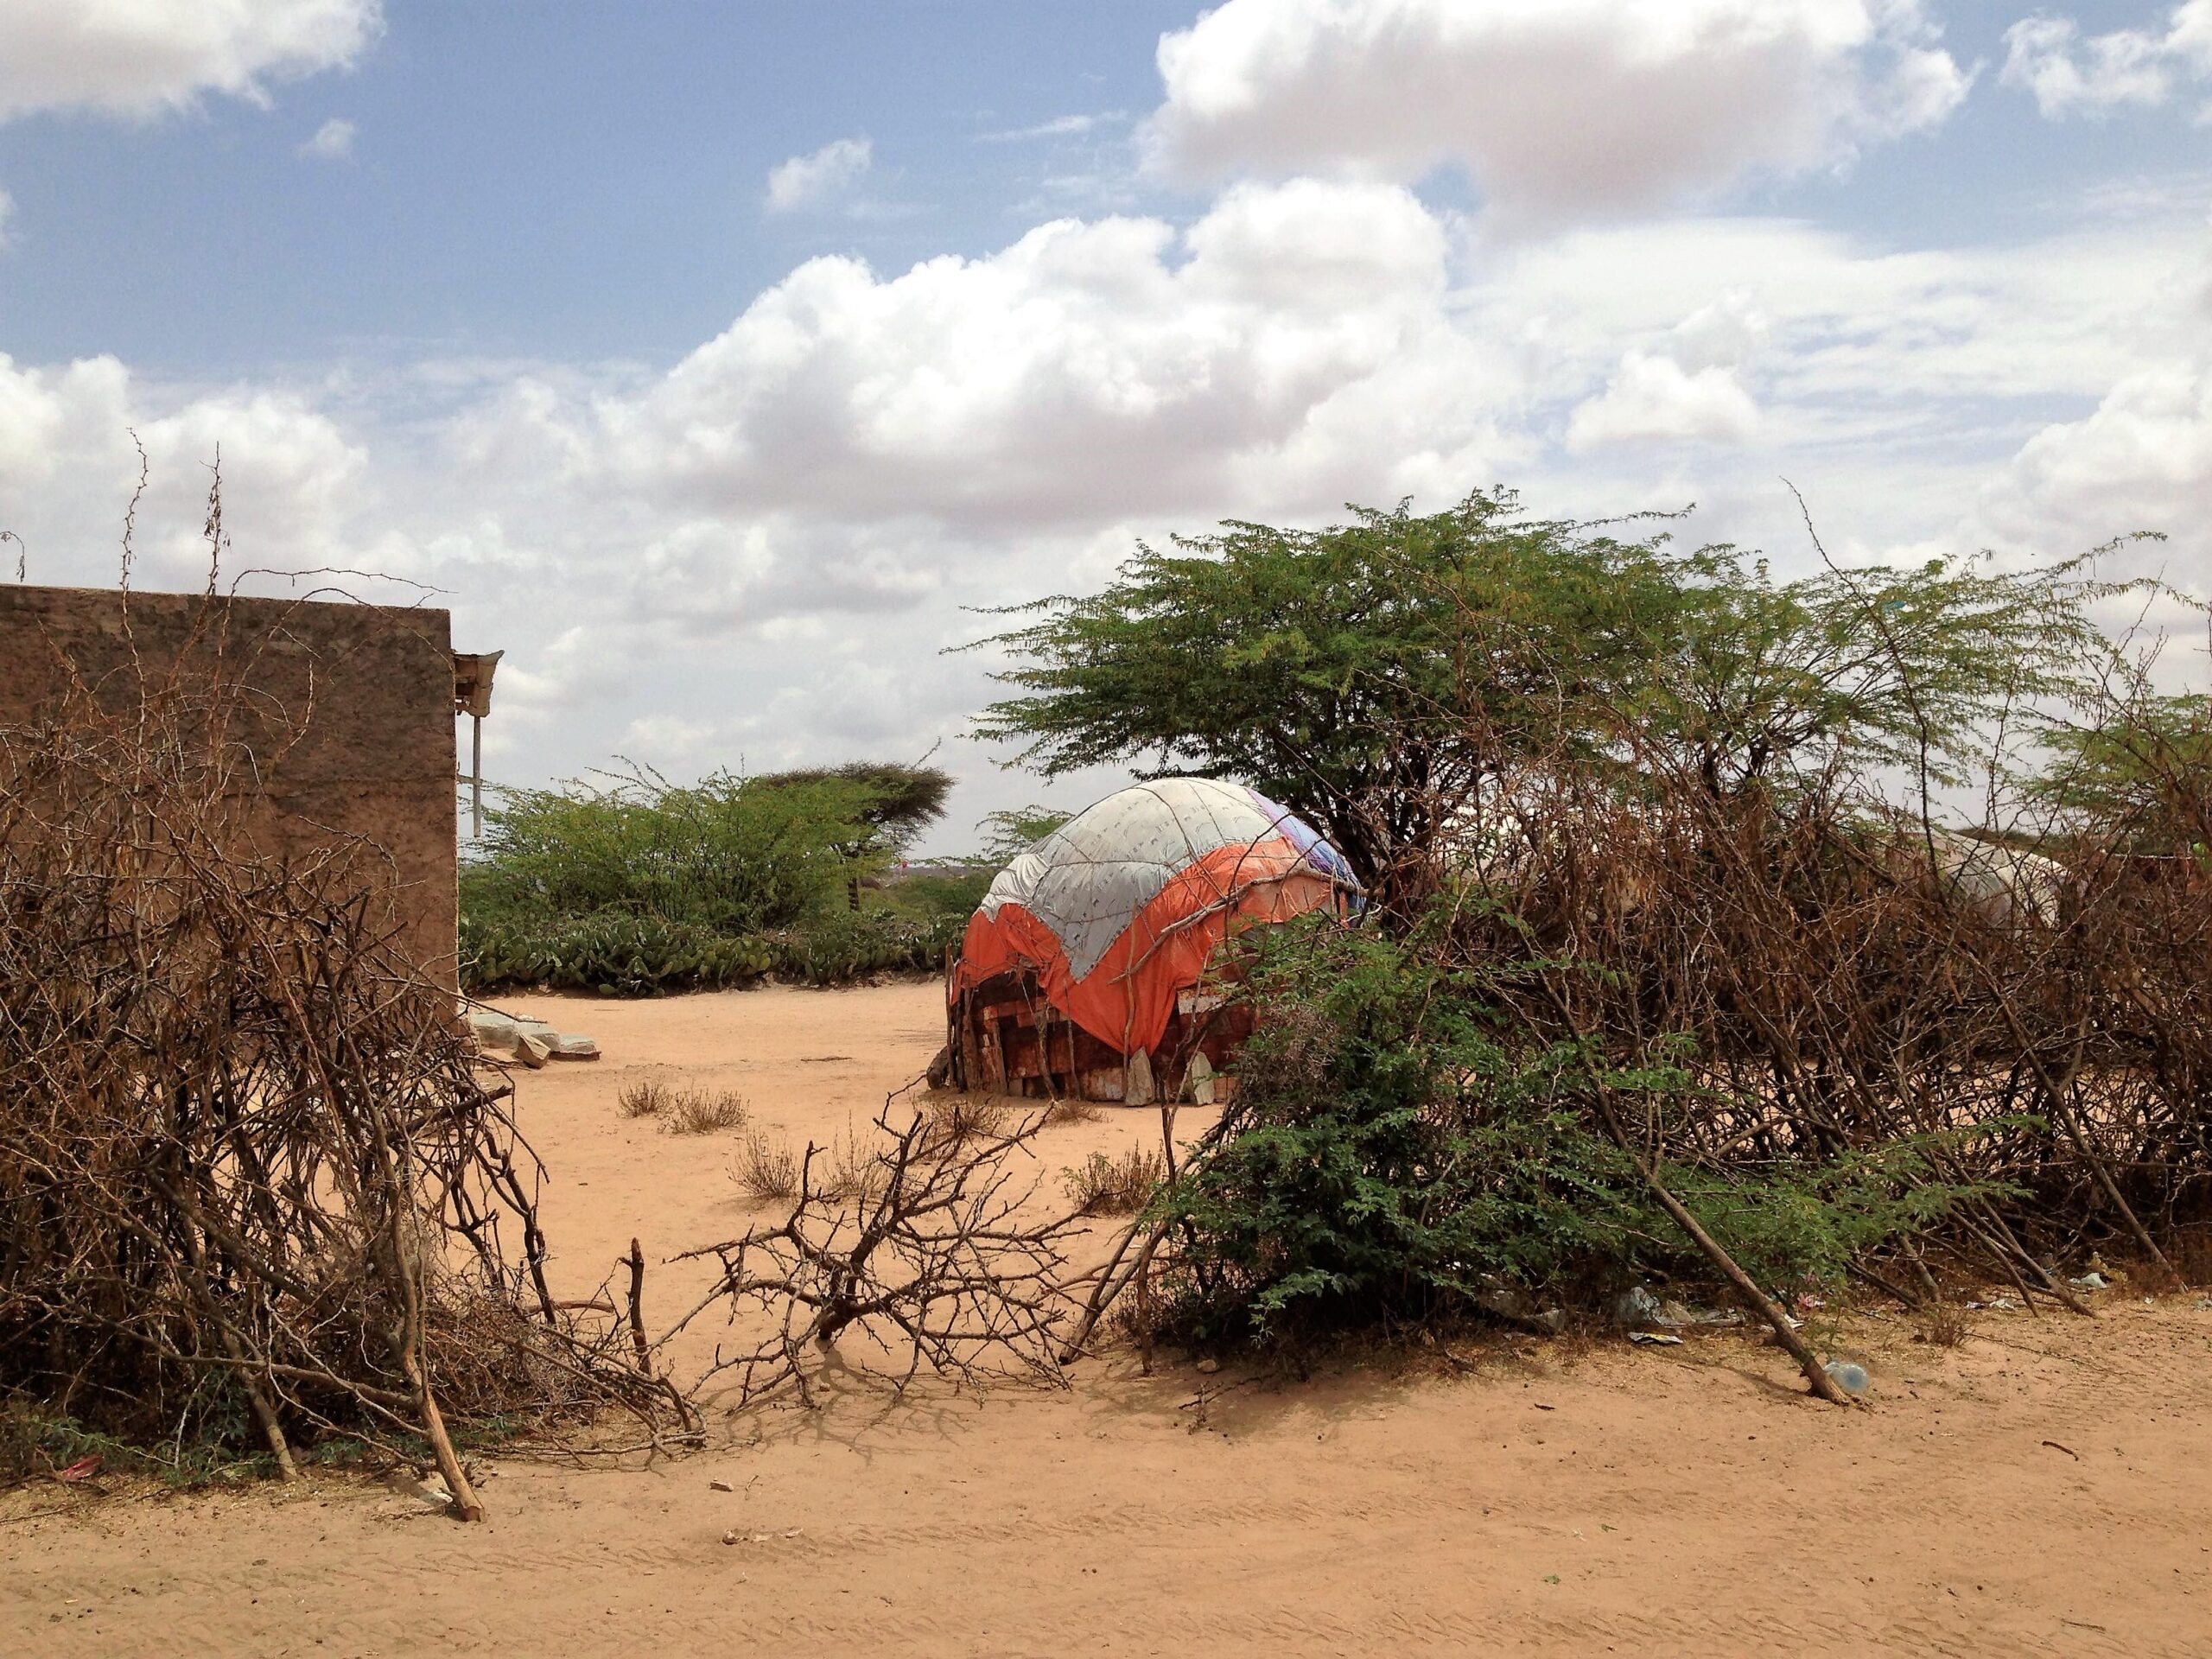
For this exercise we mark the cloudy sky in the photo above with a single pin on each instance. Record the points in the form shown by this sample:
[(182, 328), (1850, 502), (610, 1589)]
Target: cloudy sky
[(716, 359)]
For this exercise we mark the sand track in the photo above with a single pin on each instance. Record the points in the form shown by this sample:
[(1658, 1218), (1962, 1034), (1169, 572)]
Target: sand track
[(1688, 1502)]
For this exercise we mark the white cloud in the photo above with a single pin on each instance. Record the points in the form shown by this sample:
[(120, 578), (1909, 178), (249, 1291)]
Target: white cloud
[(2070, 74), (1060, 126), (2142, 459), (859, 455), (1853, 328), (1724, 333), (140, 57), (1558, 107), (293, 482), (333, 141), (805, 179), (1655, 399), (672, 737), (756, 552), (706, 576), (1086, 368)]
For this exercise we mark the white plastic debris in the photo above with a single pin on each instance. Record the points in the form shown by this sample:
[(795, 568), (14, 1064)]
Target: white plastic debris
[(1679, 1313), (1852, 1379), (1635, 1308), (526, 1042)]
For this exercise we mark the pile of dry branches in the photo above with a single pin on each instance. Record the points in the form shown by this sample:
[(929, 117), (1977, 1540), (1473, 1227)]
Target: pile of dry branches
[(2032, 1006), (253, 1187), (930, 1256)]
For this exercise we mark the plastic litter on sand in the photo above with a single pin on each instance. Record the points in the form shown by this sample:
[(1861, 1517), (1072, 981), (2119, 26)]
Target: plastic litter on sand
[(1852, 1379)]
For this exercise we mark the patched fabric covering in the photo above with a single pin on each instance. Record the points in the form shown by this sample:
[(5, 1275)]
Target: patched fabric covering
[(1121, 906)]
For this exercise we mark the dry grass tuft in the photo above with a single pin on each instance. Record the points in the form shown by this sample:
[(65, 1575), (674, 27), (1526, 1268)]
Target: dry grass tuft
[(767, 1170), (682, 1111), (1943, 1324), (702, 1111), (1071, 1111), (954, 1120), (1105, 1185), (846, 1172), (647, 1099)]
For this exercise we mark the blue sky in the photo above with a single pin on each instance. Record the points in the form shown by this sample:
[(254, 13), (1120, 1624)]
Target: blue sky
[(585, 180), (505, 299), (554, 180)]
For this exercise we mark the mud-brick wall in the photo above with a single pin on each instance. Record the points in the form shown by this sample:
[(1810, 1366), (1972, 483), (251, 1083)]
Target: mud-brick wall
[(370, 688)]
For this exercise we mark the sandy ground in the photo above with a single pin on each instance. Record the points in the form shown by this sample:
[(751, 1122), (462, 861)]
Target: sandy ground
[(2046, 1489)]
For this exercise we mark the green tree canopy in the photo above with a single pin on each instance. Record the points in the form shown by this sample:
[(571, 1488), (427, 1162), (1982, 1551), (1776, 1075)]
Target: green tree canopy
[(1008, 834), (732, 853), (1362, 673), (1925, 665), (2142, 774), (896, 802), (1349, 672), (892, 805)]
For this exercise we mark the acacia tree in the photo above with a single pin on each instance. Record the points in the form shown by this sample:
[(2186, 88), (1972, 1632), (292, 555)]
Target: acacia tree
[(1932, 668), (2141, 774), (1361, 674), (1010, 833), (1352, 673), (892, 804)]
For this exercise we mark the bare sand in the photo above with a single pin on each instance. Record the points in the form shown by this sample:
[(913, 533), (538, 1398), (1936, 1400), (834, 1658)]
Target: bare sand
[(2046, 1489)]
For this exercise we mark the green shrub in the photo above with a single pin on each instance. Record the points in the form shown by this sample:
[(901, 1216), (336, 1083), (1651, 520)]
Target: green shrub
[(618, 955), (1394, 1152), (1383, 1154), (846, 945), (735, 856), (646, 888), (936, 894), (611, 953)]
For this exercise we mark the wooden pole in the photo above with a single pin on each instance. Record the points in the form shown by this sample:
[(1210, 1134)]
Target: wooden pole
[(1758, 1301), (637, 1263)]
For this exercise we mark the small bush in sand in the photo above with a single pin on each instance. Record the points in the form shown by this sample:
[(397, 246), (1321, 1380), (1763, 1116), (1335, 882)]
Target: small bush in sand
[(954, 1120), (701, 1111), (1943, 1324), (767, 1170), (1071, 1111), (1105, 1185), (848, 1172), (646, 1099)]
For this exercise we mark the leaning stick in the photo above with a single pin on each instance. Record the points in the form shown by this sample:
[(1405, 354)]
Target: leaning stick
[(1102, 1295), (1816, 1375), (636, 1261)]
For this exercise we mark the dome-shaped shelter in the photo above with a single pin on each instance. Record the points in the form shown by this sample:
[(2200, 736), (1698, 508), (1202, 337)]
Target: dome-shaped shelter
[(1080, 974)]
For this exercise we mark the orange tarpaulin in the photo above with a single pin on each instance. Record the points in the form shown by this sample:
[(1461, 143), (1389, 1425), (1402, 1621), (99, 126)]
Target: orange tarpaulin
[(1123, 908)]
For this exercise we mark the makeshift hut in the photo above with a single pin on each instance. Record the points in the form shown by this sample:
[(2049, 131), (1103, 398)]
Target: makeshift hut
[(1083, 974)]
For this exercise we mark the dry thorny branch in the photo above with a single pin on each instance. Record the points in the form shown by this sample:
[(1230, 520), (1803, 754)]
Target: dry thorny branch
[(932, 1262), (2029, 999), (253, 1186)]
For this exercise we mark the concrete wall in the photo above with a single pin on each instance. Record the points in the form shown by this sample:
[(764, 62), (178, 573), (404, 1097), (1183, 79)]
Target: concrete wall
[(371, 687)]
